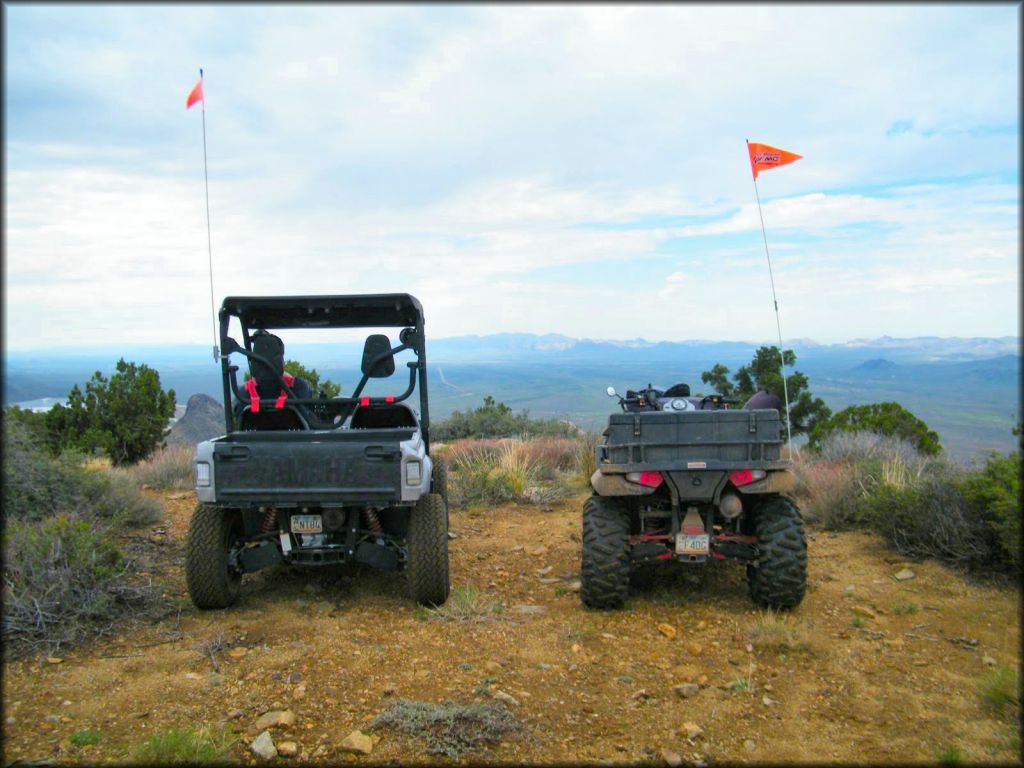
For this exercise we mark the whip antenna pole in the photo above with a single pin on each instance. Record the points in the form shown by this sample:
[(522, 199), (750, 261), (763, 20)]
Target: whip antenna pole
[(209, 239), (778, 326)]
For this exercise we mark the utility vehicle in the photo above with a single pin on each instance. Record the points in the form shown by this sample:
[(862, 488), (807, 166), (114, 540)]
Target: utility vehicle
[(311, 480), (689, 479)]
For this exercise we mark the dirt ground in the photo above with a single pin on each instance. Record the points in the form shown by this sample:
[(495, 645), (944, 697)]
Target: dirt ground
[(874, 669)]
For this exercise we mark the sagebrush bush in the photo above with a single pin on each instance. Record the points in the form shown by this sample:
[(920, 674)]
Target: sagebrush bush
[(448, 729), (924, 506), (171, 468), (64, 576)]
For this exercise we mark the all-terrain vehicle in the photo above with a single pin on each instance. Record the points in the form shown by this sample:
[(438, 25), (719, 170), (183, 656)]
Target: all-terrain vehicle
[(689, 479), (312, 480)]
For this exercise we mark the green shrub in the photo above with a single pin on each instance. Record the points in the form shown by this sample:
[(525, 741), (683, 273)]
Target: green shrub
[(495, 419), (36, 486), (1000, 690), (994, 495), (930, 519), (82, 738), (181, 746), (951, 756), (889, 419)]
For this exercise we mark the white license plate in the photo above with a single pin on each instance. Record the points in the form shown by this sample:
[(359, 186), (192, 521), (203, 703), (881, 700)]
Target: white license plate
[(307, 524), (692, 544)]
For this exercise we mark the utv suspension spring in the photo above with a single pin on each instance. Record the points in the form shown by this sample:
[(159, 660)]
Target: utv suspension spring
[(269, 523), (372, 521)]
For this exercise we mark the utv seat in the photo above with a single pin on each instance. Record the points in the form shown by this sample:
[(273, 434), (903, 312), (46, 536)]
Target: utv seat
[(264, 382), (383, 417)]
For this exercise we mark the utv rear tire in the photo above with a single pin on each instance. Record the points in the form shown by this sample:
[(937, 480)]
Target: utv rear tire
[(439, 478), (604, 576), (427, 543), (212, 581), (778, 578)]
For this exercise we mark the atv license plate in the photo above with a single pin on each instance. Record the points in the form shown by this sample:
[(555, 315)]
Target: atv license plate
[(307, 524), (692, 544)]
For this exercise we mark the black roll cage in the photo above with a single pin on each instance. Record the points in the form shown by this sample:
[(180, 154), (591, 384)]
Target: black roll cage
[(354, 311)]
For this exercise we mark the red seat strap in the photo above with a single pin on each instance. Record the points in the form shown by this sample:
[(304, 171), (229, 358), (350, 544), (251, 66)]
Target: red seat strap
[(254, 397), (290, 381)]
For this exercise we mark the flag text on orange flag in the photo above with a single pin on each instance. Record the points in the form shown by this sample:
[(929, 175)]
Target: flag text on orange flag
[(764, 157), (196, 94)]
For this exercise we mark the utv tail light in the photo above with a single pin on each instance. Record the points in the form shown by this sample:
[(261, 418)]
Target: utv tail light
[(649, 479), (746, 476), (202, 473), (412, 473)]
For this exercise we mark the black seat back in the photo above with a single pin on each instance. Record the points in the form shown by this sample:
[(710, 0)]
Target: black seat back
[(271, 347)]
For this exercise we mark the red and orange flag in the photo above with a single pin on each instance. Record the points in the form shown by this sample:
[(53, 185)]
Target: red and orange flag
[(764, 157), (196, 94)]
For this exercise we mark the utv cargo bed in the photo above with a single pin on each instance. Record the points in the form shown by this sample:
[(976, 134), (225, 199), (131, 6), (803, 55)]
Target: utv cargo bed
[(300, 468)]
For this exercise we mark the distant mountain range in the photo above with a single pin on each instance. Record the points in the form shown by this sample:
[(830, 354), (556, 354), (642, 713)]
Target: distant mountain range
[(967, 389)]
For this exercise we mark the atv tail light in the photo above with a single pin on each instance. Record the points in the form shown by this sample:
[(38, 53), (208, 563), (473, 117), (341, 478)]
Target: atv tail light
[(649, 479), (412, 473), (746, 476), (202, 473)]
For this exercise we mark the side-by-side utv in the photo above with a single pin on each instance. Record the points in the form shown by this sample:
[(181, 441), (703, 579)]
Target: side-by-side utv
[(311, 480)]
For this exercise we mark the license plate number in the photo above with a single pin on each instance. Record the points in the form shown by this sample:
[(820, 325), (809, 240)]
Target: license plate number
[(692, 544), (307, 524)]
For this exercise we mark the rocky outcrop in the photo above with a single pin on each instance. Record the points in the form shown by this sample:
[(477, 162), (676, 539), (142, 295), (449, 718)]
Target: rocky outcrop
[(203, 419)]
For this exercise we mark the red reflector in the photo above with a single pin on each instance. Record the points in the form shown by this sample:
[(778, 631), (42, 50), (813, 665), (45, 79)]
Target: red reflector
[(651, 479), (741, 477), (364, 401), (389, 399)]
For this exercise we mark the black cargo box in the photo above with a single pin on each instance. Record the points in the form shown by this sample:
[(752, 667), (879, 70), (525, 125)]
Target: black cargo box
[(660, 440)]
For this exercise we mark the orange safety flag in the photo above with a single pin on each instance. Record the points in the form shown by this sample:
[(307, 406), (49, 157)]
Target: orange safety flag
[(196, 94), (764, 157)]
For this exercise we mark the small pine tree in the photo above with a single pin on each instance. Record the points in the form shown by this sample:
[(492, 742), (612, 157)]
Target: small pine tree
[(764, 372), (124, 416)]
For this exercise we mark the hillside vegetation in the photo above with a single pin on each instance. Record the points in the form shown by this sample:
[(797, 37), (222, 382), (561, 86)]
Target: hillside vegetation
[(513, 652)]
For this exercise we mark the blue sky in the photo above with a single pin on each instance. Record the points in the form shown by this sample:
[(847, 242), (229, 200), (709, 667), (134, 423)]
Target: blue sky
[(573, 169)]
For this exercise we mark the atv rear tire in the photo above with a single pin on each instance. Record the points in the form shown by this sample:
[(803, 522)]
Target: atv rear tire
[(212, 581), (778, 578), (605, 573), (427, 542)]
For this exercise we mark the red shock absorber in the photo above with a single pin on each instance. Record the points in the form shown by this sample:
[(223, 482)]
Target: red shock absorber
[(372, 521), (269, 523)]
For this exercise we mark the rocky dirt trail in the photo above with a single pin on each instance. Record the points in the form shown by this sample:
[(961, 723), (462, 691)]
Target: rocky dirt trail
[(870, 668)]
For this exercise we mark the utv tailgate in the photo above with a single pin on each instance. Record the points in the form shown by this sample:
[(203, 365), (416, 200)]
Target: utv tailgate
[(297, 468)]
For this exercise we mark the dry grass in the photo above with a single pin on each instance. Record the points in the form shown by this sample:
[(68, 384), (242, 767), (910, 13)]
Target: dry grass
[(829, 493), (169, 469), (466, 604), (780, 633)]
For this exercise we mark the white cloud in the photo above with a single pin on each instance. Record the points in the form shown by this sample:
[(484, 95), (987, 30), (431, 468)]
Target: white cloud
[(518, 167)]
